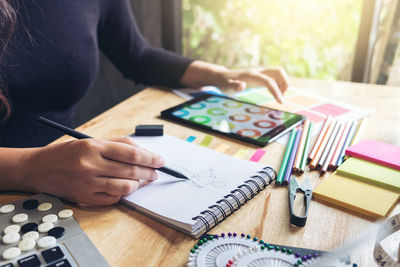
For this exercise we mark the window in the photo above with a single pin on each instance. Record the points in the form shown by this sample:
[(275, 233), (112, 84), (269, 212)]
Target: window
[(309, 38)]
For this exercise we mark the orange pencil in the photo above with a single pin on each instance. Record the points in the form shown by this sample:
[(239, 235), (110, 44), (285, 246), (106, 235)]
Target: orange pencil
[(319, 139), (332, 164), (300, 149), (322, 146)]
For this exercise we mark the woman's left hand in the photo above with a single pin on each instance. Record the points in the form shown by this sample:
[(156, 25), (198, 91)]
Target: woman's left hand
[(275, 80), (201, 73)]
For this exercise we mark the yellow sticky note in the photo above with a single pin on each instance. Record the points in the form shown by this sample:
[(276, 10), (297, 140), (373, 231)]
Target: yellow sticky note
[(368, 199), (241, 153)]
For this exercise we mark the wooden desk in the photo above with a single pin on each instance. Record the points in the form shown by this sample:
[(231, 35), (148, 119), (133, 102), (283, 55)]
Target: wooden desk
[(128, 238)]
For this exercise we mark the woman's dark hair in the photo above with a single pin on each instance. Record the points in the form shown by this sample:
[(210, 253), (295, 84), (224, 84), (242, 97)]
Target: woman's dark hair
[(7, 23)]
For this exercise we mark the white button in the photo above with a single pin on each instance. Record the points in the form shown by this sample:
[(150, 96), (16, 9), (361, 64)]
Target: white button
[(65, 213), (11, 253), (7, 208), (12, 228), (52, 218), (47, 241), (20, 217), (27, 244), (11, 238), (45, 227), (45, 206), (31, 235)]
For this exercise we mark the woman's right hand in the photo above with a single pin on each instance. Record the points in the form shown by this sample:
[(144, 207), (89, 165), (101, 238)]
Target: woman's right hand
[(89, 171)]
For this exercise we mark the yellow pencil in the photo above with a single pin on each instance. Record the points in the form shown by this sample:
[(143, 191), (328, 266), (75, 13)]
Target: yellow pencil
[(359, 131)]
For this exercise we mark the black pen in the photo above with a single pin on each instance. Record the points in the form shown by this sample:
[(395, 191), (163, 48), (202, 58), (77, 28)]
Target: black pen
[(71, 132)]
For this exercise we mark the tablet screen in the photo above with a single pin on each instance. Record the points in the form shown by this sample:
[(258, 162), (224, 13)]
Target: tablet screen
[(234, 117)]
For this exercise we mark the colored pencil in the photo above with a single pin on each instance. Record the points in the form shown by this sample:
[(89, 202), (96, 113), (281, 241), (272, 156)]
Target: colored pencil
[(359, 131), (282, 169), (346, 143), (289, 167), (346, 129), (319, 139), (328, 146), (306, 149), (332, 149), (322, 146), (300, 149)]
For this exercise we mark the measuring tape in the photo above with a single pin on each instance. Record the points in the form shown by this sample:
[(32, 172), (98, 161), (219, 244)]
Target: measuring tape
[(389, 227)]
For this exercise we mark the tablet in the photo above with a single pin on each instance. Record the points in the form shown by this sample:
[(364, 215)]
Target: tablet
[(233, 118)]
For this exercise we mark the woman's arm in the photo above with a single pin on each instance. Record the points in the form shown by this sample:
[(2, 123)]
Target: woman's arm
[(201, 73), (11, 170), (89, 171), (121, 41)]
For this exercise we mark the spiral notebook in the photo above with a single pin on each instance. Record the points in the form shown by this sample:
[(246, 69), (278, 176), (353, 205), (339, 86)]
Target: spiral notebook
[(219, 185)]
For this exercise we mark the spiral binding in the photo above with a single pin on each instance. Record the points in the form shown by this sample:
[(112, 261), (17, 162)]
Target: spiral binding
[(242, 193), (204, 221), (255, 183), (233, 201), (212, 215), (220, 209), (228, 204), (248, 188), (239, 204)]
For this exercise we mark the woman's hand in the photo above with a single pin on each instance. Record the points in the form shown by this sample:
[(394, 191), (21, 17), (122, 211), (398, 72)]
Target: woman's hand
[(200, 74), (90, 171)]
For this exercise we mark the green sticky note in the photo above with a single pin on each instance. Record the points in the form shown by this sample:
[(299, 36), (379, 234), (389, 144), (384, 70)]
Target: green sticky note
[(255, 97), (206, 140), (371, 173)]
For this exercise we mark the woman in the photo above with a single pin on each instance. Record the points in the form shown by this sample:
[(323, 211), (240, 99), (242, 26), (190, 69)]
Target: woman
[(47, 66)]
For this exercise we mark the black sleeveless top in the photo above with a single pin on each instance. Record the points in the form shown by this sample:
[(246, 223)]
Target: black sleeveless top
[(53, 58)]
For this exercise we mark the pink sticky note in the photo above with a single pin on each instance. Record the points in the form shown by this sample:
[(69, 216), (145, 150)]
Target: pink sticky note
[(311, 115), (257, 155), (378, 152), (330, 109)]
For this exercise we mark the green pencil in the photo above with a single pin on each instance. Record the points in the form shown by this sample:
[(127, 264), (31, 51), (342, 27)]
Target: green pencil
[(306, 149), (286, 157)]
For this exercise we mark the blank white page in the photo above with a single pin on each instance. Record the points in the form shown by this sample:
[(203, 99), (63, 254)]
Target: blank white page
[(213, 176)]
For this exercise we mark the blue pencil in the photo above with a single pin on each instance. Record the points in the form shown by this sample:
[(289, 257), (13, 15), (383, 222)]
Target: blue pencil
[(346, 143)]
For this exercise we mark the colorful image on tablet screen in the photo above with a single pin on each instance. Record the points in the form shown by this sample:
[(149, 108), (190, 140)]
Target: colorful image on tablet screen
[(231, 116)]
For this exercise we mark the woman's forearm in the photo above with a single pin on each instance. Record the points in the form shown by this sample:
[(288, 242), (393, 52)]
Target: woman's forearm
[(12, 170), (200, 73)]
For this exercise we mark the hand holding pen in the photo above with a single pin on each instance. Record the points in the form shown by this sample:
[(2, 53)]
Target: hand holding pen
[(89, 171)]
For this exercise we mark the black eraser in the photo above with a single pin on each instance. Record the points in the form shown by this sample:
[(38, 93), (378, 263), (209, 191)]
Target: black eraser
[(149, 130)]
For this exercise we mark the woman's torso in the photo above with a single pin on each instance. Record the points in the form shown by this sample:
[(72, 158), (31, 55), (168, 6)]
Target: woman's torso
[(48, 66)]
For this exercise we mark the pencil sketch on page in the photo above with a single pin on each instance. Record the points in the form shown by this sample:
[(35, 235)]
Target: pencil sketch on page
[(202, 178)]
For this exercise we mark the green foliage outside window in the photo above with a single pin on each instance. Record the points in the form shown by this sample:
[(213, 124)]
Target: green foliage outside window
[(309, 38)]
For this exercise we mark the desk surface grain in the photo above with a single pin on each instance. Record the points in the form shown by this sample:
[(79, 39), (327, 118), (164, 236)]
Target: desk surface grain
[(128, 238)]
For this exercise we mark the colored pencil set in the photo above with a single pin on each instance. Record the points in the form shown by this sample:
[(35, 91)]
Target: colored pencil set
[(327, 153), (329, 150)]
